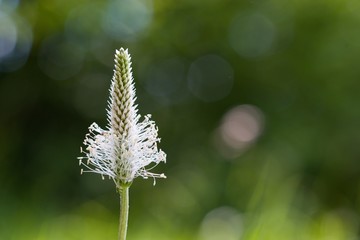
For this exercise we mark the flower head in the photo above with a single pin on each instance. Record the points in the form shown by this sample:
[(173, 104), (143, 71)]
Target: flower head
[(127, 146)]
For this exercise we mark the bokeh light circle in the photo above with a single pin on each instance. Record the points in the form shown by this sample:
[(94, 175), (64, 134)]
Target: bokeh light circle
[(60, 59), (126, 19), (8, 35), (9, 5), (222, 223), (210, 78), (166, 81), (239, 128), (82, 24), (16, 39), (252, 34)]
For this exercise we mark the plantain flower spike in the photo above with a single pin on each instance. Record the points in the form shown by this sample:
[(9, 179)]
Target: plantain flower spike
[(123, 151)]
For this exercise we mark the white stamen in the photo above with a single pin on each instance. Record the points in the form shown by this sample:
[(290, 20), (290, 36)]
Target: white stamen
[(128, 145)]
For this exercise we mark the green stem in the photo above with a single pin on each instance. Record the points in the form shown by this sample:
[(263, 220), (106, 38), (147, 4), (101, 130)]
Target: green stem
[(124, 211)]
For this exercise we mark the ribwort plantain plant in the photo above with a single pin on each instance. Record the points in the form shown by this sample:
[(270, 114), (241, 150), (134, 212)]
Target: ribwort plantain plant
[(126, 148)]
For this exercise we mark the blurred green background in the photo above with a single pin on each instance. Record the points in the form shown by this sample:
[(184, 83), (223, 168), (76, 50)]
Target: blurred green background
[(257, 104)]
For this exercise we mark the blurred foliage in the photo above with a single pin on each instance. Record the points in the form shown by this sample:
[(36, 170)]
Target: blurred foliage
[(256, 103)]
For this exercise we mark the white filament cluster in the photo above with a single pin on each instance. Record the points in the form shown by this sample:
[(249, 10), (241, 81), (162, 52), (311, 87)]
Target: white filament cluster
[(124, 150)]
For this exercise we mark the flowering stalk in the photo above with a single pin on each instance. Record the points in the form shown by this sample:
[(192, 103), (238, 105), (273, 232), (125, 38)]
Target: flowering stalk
[(127, 146), (124, 212)]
